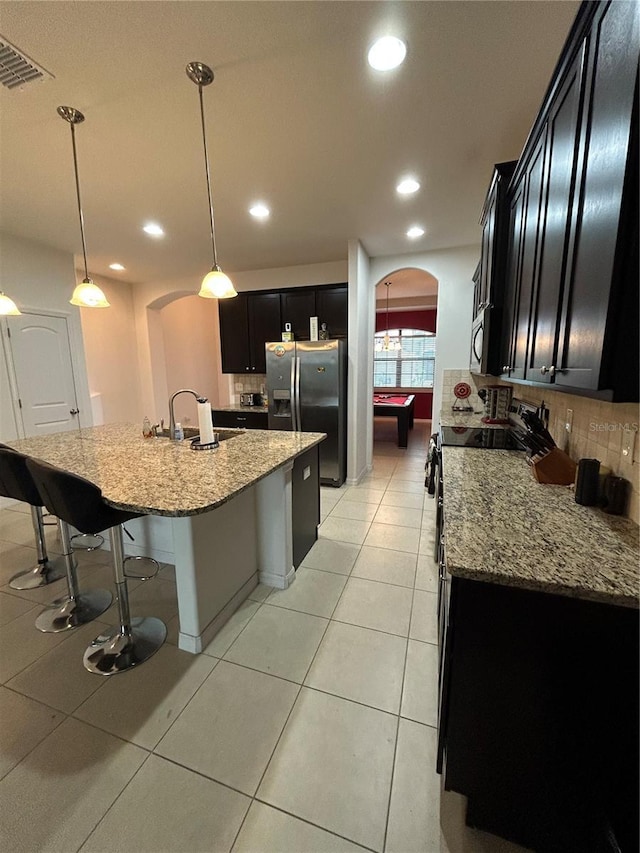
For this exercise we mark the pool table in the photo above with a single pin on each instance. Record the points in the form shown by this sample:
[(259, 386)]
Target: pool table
[(399, 406)]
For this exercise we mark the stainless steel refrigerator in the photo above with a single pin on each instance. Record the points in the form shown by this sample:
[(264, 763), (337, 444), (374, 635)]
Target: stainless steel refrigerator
[(307, 391)]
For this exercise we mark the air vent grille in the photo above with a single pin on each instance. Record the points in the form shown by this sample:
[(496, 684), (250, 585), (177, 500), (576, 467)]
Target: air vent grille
[(16, 69)]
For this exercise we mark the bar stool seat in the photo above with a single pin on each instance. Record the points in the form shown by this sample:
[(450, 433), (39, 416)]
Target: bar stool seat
[(80, 503), (17, 483)]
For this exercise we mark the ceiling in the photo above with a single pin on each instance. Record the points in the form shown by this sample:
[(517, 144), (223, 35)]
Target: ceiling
[(295, 117)]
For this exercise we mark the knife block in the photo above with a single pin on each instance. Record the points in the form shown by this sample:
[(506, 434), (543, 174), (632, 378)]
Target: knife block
[(556, 468)]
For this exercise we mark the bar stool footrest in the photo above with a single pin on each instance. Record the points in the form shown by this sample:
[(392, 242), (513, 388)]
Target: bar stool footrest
[(87, 541), (40, 575), (66, 613), (146, 576), (115, 651)]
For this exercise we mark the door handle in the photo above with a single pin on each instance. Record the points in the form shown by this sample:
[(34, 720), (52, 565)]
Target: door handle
[(74, 411)]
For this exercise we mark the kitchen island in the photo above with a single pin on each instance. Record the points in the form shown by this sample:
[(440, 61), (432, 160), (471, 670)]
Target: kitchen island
[(538, 717), (223, 516)]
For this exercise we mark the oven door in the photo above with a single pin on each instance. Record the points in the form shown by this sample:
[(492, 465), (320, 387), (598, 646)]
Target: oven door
[(479, 357)]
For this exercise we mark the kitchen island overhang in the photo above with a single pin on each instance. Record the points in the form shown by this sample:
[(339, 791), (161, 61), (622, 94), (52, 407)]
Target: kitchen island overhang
[(224, 517)]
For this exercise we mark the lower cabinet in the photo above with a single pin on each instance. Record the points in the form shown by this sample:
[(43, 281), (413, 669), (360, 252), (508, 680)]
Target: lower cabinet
[(240, 420), (539, 717), (305, 499)]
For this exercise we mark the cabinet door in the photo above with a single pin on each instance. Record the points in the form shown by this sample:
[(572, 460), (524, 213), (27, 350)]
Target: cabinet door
[(332, 309), (486, 258), (561, 161), (516, 219), (297, 307), (606, 132), (531, 232), (234, 334), (264, 326)]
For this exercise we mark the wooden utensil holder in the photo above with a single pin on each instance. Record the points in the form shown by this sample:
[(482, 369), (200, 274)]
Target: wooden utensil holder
[(556, 467)]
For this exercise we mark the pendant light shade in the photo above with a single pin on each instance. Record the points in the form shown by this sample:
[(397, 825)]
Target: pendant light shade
[(8, 307), (86, 293), (215, 285)]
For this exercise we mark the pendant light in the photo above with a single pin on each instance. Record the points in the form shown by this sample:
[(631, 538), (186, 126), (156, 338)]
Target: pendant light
[(215, 284), (86, 293), (8, 307), (386, 343)]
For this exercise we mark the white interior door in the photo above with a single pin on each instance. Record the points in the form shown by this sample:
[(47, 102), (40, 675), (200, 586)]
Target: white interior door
[(41, 357)]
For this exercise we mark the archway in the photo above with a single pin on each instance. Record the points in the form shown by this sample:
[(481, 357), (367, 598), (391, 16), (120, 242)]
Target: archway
[(405, 305)]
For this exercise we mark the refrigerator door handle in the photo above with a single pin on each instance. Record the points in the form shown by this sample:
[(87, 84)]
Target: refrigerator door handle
[(298, 406), (292, 391)]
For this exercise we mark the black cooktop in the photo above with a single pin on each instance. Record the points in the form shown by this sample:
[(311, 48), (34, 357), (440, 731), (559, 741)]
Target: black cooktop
[(497, 438)]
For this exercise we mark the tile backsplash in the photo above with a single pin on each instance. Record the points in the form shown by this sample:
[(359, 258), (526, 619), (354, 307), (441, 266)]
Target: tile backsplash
[(243, 384), (597, 429)]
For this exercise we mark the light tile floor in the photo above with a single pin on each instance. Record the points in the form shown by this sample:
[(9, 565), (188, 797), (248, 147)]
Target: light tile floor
[(307, 725)]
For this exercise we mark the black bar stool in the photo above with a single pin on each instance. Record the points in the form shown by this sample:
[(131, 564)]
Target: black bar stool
[(17, 483), (80, 503)]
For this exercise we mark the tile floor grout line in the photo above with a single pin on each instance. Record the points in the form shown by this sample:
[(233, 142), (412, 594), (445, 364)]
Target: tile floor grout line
[(316, 825), (115, 801)]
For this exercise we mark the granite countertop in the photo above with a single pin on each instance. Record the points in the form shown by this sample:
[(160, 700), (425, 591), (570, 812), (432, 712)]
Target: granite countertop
[(501, 526), (163, 477), (238, 408)]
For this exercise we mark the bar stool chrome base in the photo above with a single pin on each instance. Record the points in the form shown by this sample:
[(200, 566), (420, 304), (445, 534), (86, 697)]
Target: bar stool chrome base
[(117, 651), (66, 613), (40, 575)]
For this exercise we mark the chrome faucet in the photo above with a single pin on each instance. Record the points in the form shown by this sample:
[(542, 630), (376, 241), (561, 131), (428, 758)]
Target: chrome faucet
[(172, 419)]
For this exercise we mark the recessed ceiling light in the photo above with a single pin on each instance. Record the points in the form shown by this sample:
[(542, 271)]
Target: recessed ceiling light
[(386, 53), (415, 231), (408, 186), (260, 211), (153, 229), (118, 267)]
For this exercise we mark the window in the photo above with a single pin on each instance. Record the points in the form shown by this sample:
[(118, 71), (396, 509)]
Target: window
[(412, 366)]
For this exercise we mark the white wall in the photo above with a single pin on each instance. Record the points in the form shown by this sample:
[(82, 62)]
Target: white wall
[(360, 394), (39, 278), (191, 351), (111, 352), (453, 268)]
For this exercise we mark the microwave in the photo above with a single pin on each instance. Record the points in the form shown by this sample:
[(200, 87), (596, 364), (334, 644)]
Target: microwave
[(480, 329)]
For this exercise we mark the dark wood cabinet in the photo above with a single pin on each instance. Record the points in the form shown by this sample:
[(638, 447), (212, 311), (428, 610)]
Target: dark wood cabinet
[(234, 333), (297, 307), (489, 277), (253, 318), (571, 318), (537, 728), (247, 322), (240, 420), (332, 308)]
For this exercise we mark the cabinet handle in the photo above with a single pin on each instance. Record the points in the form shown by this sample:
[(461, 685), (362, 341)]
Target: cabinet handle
[(552, 370), (544, 370), (240, 419), (506, 368), (74, 411), (246, 368)]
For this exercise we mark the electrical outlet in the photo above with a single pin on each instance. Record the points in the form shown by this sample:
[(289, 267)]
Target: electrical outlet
[(628, 443), (568, 424)]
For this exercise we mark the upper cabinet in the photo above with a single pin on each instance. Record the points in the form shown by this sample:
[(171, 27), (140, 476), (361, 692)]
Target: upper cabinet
[(246, 322), (251, 319), (489, 277), (571, 312)]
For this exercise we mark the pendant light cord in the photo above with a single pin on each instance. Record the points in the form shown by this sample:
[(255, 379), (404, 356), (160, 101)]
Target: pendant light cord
[(206, 166), (75, 168)]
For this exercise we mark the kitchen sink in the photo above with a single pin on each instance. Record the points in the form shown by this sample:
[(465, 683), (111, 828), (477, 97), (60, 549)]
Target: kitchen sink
[(192, 432)]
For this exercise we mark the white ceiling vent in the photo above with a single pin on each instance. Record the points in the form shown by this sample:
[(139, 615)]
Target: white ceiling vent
[(16, 69)]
